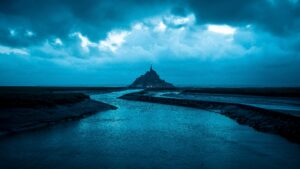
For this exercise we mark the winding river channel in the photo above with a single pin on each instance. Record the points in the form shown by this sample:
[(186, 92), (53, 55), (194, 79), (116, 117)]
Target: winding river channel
[(145, 135)]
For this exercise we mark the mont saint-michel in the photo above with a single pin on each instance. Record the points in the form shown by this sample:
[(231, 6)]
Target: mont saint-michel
[(150, 79)]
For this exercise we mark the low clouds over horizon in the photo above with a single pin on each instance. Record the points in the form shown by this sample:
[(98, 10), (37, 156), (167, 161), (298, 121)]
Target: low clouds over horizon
[(203, 43)]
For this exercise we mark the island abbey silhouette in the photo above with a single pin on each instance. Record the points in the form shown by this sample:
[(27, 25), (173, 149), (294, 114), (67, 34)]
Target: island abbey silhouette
[(150, 80)]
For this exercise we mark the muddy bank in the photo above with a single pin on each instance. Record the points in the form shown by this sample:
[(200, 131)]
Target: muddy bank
[(26, 111), (285, 125), (270, 92)]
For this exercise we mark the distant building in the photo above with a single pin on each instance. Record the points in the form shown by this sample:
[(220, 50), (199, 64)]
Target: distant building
[(150, 80)]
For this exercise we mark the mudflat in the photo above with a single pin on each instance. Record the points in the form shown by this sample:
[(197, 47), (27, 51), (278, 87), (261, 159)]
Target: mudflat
[(30, 109)]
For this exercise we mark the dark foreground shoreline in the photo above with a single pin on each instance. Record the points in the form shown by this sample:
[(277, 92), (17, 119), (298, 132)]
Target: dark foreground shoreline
[(27, 110), (268, 121)]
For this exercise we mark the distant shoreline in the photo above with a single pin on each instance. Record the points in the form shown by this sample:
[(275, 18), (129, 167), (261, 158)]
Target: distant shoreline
[(257, 91), (44, 89), (264, 91)]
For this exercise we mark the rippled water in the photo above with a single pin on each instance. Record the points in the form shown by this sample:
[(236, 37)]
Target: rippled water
[(144, 135)]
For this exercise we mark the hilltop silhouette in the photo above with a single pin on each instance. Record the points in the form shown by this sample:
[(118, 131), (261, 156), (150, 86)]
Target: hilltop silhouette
[(150, 80)]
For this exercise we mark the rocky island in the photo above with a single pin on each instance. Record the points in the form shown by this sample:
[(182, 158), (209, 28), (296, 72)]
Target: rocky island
[(150, 80)]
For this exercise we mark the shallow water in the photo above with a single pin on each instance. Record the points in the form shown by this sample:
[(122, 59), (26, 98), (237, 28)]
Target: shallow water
[(146, 135), (280, 104)]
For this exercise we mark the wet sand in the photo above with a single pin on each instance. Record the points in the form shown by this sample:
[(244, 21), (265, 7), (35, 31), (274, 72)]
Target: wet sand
[(22, 111)]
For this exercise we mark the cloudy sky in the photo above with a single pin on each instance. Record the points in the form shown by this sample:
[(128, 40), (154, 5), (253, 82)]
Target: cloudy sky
[(189, 42)]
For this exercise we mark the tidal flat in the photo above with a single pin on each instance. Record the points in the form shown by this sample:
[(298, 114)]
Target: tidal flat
[(27, 108)]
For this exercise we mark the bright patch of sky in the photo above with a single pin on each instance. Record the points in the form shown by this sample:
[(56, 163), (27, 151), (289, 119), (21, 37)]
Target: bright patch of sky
[(160, 27), (16, 51), (12, 32), (113, 41), (29, 33), (179, 20), (222, 29), (58, 42), (85, 42)]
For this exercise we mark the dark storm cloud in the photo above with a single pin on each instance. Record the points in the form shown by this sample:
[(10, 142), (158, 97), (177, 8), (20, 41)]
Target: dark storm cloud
[(62, 17), (280, 17), (94, 18)]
